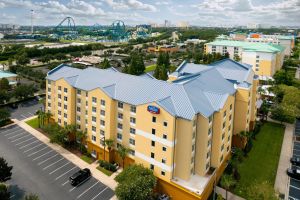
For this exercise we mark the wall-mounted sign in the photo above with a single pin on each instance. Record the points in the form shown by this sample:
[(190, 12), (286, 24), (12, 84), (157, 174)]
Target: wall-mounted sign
[(153, 109)]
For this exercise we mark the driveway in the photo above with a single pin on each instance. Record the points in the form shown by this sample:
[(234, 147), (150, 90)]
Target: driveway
[(41, 170)]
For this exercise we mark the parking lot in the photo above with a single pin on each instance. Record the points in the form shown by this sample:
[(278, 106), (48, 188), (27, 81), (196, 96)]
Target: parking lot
[(294, 187), (40, 170), (25, 109)]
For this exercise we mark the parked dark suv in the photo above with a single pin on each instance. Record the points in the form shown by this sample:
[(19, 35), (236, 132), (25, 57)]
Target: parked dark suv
[(294, 173), (80, 176), (295, 161)]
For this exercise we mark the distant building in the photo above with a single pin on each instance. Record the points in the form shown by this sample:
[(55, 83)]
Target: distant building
[(11, 77), (194, 41), (165, 48), (1, 36), (265, 59), (183, 24)]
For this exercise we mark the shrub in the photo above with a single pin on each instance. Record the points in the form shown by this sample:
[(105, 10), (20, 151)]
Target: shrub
[(108, 166)]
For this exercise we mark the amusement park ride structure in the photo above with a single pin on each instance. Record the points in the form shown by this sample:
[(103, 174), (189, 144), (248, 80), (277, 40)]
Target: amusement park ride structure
[(117, 31)]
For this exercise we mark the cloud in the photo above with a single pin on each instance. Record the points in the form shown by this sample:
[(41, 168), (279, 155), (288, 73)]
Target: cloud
[(130, 4)]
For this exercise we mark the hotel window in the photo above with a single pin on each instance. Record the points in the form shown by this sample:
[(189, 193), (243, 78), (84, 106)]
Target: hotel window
[(102, 142), (223, 135), (230, 106), (59, 112), (66, 98), (119, 136), (163, 161), (131, 141), (151, 166), (194, 122), (230, 117), (131, 152), (165, 136), (78, 91), (154, 119), (86, 94), (59, 88), (59, 121), (94, 109), (222, 147), (59, 104), (207, 155), (102, 132), (102, 102), (94, 138), (165, 124), (78, 126), (257, 65), (257, 57), (86, 112), (193, 147), (120, 116), (224, 124), (228, 138), (102, 112), (194, 134), (210, 119), (65, 90), (86, 103), (153, 131), (118, 145), (227, 148), (132, 120), (120, 105), (94, 128), (153, 143), (65, 123), (207, 165), (132, 131), (49, 104), (78, 118), (94, 119), (152, 155), (221, 159), (49, 89), (192, 160), (229, 127), (224, 115), (65, 115), (133, 109), (120, 126), (59, 96), (78, 109), (102, 122), (208, 143), (209, 131), (78, 100), (65, 107), (163, 173), (94, 99), (164, 148)]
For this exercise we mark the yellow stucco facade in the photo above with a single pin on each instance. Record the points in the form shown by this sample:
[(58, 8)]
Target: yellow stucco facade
[(187, 156)]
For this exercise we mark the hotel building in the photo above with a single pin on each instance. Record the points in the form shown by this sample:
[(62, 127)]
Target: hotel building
[(265, 59), (181, 129)]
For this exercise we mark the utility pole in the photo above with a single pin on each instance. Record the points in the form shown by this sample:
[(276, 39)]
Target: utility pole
[(31, 17)]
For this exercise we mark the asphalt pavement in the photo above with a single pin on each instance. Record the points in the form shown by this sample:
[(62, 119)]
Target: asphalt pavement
[(39, 169), (25, 109)]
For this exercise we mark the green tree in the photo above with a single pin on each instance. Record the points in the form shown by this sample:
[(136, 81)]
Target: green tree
[(136, 65), (227, 182), (22, 59), (80, 136), (105, 64), (4, 84), (4, 193), (4, 97), (282, 77), (5, 170), (236, 57), (4, 115), (123, 151), (31, 197), (135, 183), (23, 91), (109, 143)]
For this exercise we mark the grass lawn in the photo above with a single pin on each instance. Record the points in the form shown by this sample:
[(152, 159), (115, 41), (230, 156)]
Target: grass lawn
[(87, 159), (105, 171), (150, 68), (34, 123), (262, 161)]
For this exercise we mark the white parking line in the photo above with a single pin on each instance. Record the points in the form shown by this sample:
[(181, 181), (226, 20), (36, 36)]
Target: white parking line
[(87, 190), (65, 183), (65, 173), (42, 155), (23, 117), (52, 164), (13, 132), (12, 196), (33, 147), (30, 114), (20, 138), (295, 187), (99, 193), (25, 141), (37, 151), (10, 129), (29, 144), (47, 159), (59, 168), (72, 189), (16, 135)]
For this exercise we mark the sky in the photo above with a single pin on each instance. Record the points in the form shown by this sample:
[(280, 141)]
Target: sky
[(132, 12)]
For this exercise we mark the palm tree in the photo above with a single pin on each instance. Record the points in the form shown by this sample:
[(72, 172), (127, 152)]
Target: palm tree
[(48, 115), (122, 151), (70, 129), (109, 143), (41, 116), (80, 135), (227, 182)]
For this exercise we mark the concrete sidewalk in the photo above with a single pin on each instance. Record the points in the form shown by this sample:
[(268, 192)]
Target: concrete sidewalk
[(107, 180), (281, 181)]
